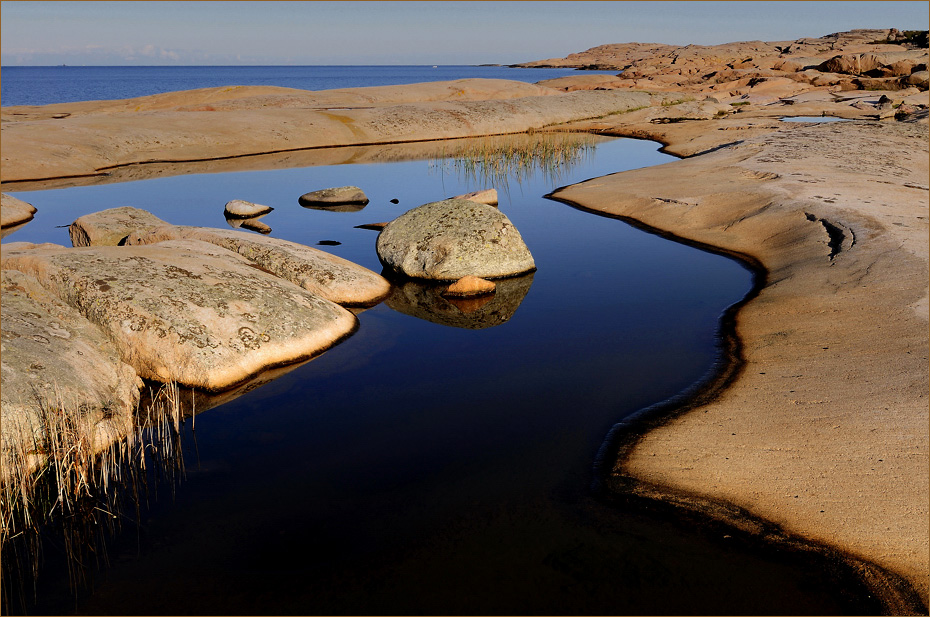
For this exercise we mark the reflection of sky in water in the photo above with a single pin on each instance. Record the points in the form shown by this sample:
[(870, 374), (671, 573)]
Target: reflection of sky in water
[(814, 119), (415, 464)]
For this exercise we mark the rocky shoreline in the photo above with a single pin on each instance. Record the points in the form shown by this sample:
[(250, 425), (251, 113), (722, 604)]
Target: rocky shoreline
[(821, 431)]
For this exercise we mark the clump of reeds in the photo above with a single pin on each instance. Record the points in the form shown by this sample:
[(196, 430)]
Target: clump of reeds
[(56, 473), (494, 161)]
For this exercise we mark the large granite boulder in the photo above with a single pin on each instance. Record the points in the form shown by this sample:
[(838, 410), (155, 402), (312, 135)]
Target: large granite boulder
[(327, 275), (110, 227), (188, 311), (53, 359), (14, 211), (446, 240)]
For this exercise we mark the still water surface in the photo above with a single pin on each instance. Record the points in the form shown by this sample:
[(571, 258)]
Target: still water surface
[(423, 468)]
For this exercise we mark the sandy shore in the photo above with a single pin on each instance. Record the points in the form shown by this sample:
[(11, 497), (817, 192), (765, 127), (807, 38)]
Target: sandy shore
[(822, 429)]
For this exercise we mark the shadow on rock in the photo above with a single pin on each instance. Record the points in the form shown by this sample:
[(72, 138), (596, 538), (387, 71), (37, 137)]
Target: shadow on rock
[(424, 301)]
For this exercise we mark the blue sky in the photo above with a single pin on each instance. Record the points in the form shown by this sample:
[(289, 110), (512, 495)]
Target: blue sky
[(166, 33)]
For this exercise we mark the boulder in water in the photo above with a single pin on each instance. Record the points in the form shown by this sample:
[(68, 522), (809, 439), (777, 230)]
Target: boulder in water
[(447, 240)]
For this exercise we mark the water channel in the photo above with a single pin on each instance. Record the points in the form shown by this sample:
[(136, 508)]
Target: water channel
[(440, 460)]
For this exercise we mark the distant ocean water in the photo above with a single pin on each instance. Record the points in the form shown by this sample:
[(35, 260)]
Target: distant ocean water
[(41, 85)]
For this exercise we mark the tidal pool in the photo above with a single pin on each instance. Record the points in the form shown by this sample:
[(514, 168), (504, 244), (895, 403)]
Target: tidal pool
[(440, 460)]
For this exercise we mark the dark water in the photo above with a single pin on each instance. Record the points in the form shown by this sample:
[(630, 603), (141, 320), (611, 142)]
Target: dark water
[(41, 85), (422, 468)]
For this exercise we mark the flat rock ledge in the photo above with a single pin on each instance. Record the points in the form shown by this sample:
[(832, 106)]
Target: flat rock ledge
[(187, 311), (333, 278), (450, 239)]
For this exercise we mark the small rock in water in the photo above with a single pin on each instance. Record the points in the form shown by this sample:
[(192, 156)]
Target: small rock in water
[(329, 243), (343, 195), (487, 197), (395, 201), (468, 287), (375, 226), (245, 209)]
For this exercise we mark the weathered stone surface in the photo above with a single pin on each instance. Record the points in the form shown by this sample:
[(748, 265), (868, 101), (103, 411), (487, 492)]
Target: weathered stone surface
[(446, 240), (53, 358), (334, 278), (487, 197), (245, 209), (425, 301), (919, 79), (110, 227), (339, 196), (469, 286), (14, 211), (188, 311)]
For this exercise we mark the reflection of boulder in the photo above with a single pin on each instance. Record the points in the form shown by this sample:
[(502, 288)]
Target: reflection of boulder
[(425, 301), (251, 223)]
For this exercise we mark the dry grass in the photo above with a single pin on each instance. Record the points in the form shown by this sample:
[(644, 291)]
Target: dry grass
[(62, 473), (496, 161)]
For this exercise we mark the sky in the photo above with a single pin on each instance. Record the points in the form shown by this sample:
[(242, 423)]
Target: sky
[(475, 32)]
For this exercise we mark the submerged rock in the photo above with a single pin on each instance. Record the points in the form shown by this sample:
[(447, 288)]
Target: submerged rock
[(188, 311), (14, 211), (334, 278), (446, 240), (425, 301), (348, 198), (54, 359), (245, 209)]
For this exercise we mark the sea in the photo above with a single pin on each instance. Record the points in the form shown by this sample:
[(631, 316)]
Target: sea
[(42, 85)]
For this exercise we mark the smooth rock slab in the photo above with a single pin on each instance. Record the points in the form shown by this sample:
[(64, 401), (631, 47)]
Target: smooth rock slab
[(14, 211), (447, 240), (327, 275), (110, 227), (51, 357), (189, 311)]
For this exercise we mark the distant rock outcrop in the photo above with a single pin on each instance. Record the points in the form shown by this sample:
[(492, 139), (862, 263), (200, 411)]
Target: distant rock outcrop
[(446, 240)]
